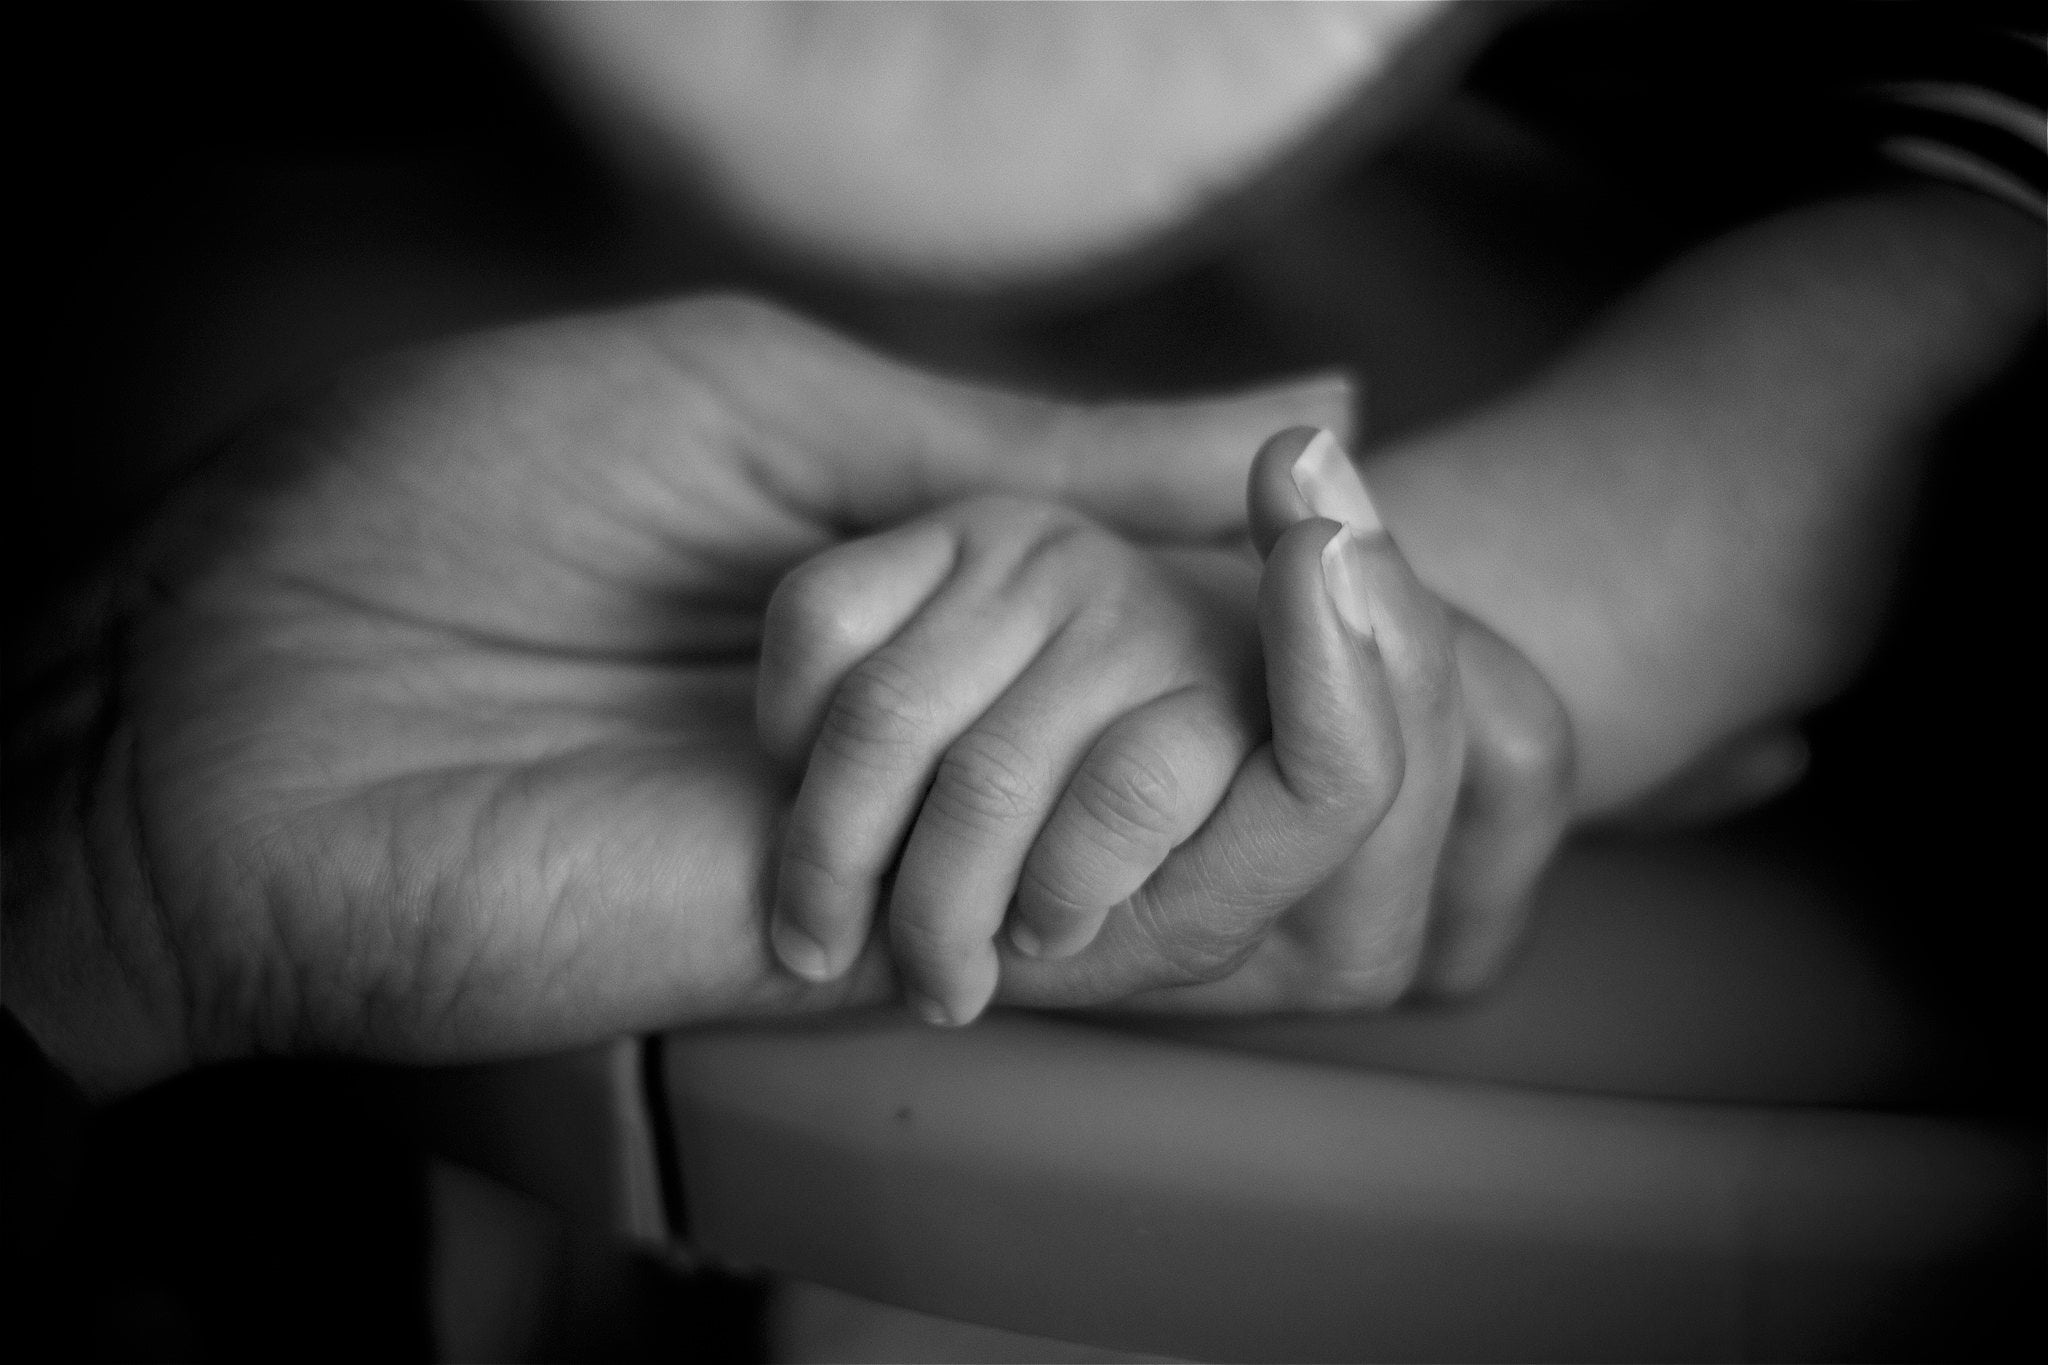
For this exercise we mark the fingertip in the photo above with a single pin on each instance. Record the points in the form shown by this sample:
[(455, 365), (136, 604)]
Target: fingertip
[(1331, 486), (1025, 939), (1272, 498), (1055, 946), (799, 952), (1336, 731), (961, 997)]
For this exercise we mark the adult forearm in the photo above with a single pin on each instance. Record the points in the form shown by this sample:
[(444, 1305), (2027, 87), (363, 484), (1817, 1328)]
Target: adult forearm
[(1690, 522)]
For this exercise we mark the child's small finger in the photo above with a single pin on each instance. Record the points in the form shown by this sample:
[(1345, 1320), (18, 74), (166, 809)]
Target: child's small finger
[(958, 873), (828, 614), (1004, 780), (1145, 787), (889, 723)]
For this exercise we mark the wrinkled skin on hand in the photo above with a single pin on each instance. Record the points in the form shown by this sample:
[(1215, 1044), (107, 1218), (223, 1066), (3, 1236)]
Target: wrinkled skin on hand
[(425, 726)]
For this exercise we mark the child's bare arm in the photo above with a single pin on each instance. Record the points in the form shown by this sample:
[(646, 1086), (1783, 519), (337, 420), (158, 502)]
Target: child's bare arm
[(1691, 519)]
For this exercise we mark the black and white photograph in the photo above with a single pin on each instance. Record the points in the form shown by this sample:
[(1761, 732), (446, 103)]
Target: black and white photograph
[(773, 682)]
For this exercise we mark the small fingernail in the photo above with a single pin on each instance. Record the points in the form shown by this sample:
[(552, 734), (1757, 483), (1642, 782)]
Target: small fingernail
[(1331, 485), (1031, 943), (930, 1010), (1025, 939), (1344, 578), (800, 953)]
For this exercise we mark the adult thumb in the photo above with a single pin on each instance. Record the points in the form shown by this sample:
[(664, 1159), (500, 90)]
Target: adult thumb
[(1305, 472)]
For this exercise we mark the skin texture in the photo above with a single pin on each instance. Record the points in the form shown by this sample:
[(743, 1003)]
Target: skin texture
[(1002, 711), (944, 686), (420, 726), (1432, 895), (1691, 519)]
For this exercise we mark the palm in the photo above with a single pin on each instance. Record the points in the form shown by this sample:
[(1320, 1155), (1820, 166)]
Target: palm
[(444, 738), (502, 684)]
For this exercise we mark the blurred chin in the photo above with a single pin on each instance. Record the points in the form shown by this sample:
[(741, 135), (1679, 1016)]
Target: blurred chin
[(984, 146)]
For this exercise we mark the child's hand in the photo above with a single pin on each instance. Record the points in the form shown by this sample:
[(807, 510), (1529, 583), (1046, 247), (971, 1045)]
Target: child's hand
[(1016, 713), (999, 702), (1390, 835)]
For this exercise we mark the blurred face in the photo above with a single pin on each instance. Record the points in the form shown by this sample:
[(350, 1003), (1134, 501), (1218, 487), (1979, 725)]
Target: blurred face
[(967, 145)]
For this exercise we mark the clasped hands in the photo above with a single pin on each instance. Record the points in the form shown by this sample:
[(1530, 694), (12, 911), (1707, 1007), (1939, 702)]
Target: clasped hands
[(691, 663)]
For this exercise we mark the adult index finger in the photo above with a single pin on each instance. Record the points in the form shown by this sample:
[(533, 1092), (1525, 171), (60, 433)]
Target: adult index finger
[(1305, 800)]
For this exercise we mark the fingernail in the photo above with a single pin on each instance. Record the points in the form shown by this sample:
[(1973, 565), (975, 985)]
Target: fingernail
[(1344, 578), (1031, 943), (1331, 486), (799, 952), (930, 1010)]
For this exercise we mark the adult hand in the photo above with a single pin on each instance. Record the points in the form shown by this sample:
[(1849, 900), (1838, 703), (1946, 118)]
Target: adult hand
[(1389, 838), (420, 726)]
